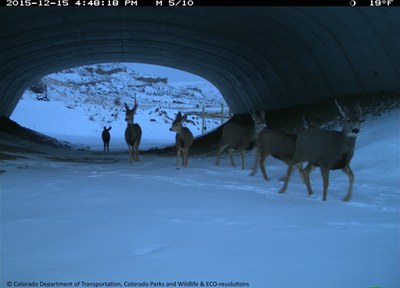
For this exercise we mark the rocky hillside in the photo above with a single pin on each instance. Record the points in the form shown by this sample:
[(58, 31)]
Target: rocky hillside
[(102, 89), (81, 101)]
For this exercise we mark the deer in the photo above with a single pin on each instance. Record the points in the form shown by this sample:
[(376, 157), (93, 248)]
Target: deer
[(279, 145), (133, 133), (183, 139), (105, 135), (240, 137), (330, 150)]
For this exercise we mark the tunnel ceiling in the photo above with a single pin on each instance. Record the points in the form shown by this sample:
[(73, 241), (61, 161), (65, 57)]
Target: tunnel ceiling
[(258, 57)]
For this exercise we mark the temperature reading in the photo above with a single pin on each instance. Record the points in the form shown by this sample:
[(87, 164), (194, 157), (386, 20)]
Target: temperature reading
[(377, 3)]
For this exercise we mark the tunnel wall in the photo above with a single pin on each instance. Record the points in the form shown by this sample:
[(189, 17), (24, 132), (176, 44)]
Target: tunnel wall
[(258, 57)]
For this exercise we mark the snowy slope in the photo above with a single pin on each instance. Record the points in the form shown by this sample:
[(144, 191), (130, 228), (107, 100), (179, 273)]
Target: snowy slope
[(75, 104), (91, 216)]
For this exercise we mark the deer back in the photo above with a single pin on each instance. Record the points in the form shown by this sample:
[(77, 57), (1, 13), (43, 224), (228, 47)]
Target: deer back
[(280, 145), (237, 136), (331, 149), (242, 136)]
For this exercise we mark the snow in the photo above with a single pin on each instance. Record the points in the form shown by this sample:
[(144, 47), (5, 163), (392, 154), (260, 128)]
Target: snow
[(82, 102), (89, 216)]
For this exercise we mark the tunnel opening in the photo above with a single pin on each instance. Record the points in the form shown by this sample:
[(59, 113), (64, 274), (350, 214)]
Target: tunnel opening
[(74, 105)]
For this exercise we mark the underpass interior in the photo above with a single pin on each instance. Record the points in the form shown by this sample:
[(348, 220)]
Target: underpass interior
[(66, 217), (285, 60)]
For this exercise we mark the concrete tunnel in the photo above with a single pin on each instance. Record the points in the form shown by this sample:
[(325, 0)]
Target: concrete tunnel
[(258, 57)]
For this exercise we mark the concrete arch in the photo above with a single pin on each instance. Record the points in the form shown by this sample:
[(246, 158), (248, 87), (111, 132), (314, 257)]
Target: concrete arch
[(258, 57)]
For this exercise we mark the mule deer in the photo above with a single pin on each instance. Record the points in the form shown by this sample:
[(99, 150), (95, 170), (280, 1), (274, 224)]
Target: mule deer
[(183, 139), (105, 135), (279, 145), (133, 132), (329, 150), (240, 137)]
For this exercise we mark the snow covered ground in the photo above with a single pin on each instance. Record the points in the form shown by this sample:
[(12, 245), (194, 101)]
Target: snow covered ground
[(91, 216), (82, 100)]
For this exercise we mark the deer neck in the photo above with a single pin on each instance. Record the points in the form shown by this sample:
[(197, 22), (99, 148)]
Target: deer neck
[(179, 132), (130, 121), (349, 135), (348, 140)]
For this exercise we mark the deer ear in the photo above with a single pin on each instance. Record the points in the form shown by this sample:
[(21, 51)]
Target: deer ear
[(178, 116), (126, 107), (135, 107), (184, 117)]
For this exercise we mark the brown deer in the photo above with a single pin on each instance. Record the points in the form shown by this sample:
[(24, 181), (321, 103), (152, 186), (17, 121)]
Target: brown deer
[(279, 145), (133, 133), (183, 139), (329, 150), (240, 137), (105, 135)]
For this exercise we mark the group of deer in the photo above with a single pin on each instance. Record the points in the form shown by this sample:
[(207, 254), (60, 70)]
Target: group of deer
[(329, 150), (133, 136)]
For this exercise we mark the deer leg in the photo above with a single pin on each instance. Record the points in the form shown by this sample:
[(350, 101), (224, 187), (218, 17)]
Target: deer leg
[(305, 175), (242, 157), (230, 152), (325, 179), (136, 147), (262, 166), (288, 173), (130, 153), (178, 154), (349, 173), (256, 159), (185, 156), (220, 149)]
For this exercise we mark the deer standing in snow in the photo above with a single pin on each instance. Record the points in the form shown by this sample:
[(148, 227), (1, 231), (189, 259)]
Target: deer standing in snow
[(240, 137), (277, 144), (133, 132), (105, 135), (183, 139), (329, 150)]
